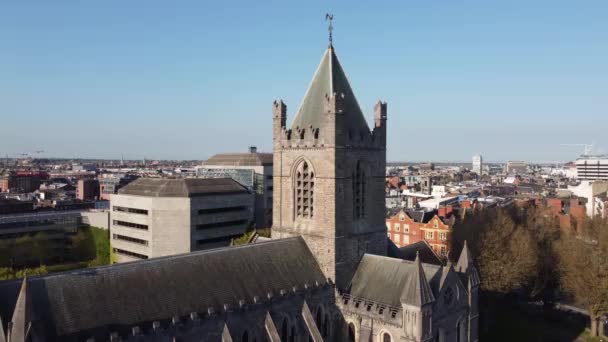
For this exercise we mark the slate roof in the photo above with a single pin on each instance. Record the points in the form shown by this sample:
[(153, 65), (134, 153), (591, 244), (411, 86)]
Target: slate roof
[(329, 78), (422, 248), (421, 216), (184, 187), (155, 289), (240, 159), (394, 281)]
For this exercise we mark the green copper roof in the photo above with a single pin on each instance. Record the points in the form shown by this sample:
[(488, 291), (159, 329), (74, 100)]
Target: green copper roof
[(328, 79)]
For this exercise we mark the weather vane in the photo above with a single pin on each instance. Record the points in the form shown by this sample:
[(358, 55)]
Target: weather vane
[(330, 17)]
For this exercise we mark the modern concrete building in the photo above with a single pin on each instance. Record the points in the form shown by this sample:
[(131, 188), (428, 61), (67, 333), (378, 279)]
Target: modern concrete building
[(592, 168), (109, 184), (152, 217), (254, 170), (477, 164)]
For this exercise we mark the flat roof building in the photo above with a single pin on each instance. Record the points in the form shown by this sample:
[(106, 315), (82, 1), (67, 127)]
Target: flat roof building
[(152, 217), (592, 168), (516, 167), (253, 170)]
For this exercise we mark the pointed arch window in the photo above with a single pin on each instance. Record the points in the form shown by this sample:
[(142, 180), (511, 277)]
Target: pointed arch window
[(359, 184), (305, 188), (351, 332), (284, 331)]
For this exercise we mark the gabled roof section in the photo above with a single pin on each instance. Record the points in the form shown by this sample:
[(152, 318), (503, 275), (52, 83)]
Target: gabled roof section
[(422, 249), (328, 79), (83, 303), (394, 281)]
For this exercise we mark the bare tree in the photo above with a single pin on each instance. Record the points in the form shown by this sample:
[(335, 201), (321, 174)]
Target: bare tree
[(583, 265)]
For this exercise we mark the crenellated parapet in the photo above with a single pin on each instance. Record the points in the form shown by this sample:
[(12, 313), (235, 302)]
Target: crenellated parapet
[(379, 131), (334, 130)]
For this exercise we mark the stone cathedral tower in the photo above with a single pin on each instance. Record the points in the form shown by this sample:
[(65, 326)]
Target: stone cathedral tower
[(329, 173)]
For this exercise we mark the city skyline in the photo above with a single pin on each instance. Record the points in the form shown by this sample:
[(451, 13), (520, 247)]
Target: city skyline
[(102, 80)]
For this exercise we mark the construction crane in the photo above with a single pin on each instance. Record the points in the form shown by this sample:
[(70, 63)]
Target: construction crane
[(587, 148)]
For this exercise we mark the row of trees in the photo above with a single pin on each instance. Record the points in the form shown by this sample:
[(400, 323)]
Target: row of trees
[(524, 250), (42, 252)]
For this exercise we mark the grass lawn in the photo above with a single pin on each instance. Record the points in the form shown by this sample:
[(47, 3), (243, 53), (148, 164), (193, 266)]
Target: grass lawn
[(514, 324)]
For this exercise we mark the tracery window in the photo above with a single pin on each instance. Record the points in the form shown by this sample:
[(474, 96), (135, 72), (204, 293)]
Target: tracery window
[(305, 187), (359, 184)]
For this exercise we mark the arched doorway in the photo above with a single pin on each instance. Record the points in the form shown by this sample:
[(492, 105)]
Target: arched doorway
[(386, 337)]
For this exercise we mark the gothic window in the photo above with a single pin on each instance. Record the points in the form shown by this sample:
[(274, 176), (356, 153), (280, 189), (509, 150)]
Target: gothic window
[(448, 296), (326, 326), (351, 332), (292, 335), (319, 320), (305, 186), (359, 192), (284, 331)]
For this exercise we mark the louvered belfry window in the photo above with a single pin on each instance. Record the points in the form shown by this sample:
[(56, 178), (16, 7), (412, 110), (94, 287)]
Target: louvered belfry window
[(305, 188), (359, 192)]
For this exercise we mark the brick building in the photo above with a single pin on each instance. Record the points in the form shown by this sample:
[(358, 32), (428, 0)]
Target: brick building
[(409, 226), (87, 189), (21, 181), (571, 212)]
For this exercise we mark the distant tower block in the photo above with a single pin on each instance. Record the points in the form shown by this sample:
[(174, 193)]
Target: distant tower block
[(477, 164)]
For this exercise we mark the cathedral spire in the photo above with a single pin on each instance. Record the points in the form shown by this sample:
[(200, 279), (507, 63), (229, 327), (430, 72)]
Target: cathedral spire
[(465, 260), (20, 324), (417, 291), (329, 81), (465, 265)]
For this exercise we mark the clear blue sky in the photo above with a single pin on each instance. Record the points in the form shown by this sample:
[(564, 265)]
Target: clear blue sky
[(187, 79)]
